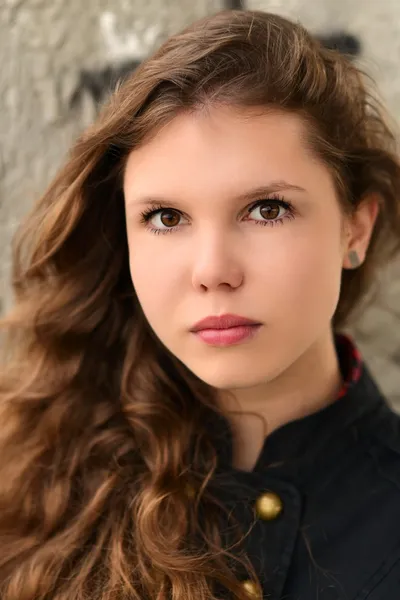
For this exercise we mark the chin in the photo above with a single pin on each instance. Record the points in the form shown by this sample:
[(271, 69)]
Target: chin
[(231, 379)]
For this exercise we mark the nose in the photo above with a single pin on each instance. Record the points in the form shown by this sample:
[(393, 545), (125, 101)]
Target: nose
[(215, 264)]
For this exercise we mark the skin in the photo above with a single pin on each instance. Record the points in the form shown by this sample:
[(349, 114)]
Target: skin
[(218, 258)]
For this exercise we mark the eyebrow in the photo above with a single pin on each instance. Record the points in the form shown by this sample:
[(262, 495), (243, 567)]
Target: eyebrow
[(248, 196)]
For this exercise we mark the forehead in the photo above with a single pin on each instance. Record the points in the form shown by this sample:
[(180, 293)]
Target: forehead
[(221, 146), (227, 127)]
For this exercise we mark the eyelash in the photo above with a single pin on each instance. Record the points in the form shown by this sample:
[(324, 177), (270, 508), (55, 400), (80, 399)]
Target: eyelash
[(147, 214)]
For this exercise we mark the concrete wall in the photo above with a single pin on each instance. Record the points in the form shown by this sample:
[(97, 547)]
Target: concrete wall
[(45, 45)]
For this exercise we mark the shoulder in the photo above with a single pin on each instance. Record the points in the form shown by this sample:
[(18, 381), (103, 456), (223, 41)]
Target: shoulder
[(384, 438), (378, 429), (384, 584), (368, 516), (379, 502)]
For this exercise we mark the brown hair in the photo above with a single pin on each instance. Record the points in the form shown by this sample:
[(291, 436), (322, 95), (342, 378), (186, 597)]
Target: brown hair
[(102, 430)]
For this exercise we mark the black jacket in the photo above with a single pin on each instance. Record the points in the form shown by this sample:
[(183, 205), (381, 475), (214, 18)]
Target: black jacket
[(334, 479)]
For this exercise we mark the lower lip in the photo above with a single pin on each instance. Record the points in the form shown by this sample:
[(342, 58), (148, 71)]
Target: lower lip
[(228, 337)]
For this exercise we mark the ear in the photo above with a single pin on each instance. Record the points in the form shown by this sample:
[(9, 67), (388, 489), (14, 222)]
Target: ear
[(359, 227)]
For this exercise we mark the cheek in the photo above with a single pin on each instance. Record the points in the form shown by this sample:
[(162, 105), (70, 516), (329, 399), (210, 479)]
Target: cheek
[(307, 274), (155, 279)]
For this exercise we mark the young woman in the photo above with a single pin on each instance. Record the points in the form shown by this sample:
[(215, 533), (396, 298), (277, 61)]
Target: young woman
[(182, 416)]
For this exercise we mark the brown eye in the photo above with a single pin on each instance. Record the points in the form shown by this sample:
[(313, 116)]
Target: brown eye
[(169, 218), (270, 211)]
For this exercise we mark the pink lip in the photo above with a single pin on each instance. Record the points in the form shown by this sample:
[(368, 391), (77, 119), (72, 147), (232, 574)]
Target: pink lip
[(225, 330), (222, 322)]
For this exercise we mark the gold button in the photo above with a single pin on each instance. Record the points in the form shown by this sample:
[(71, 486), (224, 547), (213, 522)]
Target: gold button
[(251, 589), (268, 506)]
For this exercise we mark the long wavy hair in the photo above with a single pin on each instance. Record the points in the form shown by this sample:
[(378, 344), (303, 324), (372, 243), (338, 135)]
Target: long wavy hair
[(107, 461)]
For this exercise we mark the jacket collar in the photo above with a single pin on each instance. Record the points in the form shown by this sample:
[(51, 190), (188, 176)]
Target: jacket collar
[(296, 446)]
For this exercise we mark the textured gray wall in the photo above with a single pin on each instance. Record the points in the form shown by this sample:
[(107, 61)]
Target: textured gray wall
[(45, 43)]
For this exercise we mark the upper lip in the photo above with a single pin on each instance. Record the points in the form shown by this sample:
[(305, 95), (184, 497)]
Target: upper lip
[(222, 322)]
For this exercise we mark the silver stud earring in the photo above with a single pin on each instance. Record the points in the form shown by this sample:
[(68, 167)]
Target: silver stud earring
[(354, 259)]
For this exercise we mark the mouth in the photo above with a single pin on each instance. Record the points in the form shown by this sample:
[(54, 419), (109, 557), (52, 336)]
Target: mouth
[(226, 330), (223, 322), (227, 337)]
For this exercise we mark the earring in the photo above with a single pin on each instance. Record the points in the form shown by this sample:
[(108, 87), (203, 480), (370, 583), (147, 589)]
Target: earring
[(354, 259)]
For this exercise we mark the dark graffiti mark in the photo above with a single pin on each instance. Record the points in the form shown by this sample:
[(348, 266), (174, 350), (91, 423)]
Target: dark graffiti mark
[(235, 4), (343, 42), (100, 83)]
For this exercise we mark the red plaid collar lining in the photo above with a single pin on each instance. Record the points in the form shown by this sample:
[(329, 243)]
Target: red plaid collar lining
[(350, 360)]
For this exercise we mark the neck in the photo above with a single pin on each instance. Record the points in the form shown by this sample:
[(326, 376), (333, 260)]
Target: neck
[(307, 386)]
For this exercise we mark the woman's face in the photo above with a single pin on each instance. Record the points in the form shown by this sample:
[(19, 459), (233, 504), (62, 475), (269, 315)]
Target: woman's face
[(246, 221)]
